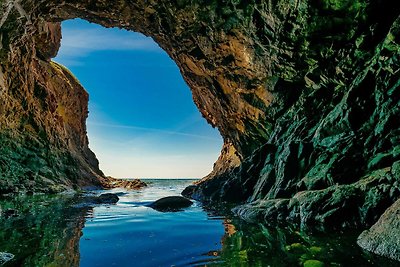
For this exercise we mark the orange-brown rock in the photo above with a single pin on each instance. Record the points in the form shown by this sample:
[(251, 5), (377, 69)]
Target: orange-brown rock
[(43, 114), (110, 182)]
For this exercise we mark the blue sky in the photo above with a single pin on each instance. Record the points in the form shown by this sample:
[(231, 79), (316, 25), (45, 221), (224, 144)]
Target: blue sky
[(142, 120)]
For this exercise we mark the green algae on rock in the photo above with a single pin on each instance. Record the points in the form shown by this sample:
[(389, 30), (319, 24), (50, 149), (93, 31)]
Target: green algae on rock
[(313, 263), (262, 245)]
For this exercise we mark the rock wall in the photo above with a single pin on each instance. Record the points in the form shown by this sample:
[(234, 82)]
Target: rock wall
[(305, 94), (43, 111)]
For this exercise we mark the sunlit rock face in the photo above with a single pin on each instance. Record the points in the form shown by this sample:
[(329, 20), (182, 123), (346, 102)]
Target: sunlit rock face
[(305, 94), (43, 111)]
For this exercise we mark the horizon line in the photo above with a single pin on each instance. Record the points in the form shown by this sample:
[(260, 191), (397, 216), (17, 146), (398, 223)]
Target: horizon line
[(151, 130)]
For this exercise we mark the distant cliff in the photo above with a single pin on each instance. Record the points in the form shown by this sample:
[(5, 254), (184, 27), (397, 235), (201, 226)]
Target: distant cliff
[(305, 94)]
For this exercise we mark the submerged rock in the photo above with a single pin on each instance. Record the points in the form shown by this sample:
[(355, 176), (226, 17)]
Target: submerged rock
[(107, 198), (89, 201), (5, 257), (172, 203), (383, 238)]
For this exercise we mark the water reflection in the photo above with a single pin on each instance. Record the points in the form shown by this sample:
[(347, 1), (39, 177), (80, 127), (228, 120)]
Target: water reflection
[(132, 234), (261, 245), (58, 231), (42, 231)]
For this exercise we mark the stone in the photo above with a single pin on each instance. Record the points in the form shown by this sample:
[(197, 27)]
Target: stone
[(107, 198), (383, 238), (313, 263), (5, 257), (90, 200), (171, 203), (335, 207), (189, 190), (296, 248), (110, 182)]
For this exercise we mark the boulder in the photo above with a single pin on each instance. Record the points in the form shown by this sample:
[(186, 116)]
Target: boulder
[(172, 203), (110, 182), (383, 238), (107, 198)]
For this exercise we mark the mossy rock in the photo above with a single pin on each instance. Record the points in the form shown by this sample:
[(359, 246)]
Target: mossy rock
[(296, 248), (315, 250), (313, 263)]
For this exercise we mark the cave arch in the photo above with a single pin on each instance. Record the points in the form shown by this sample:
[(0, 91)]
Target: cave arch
[(206, 65), (142, 120), (233, 103), (284, 82)]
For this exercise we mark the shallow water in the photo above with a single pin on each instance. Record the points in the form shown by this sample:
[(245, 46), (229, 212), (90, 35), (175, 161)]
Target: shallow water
[(131, 234), (58, 231)]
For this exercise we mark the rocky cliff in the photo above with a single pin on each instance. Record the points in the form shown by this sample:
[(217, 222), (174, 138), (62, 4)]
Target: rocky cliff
[(43, 111), (305, 94)]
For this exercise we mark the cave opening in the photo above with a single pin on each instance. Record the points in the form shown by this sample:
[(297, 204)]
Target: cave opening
[(142, 120)]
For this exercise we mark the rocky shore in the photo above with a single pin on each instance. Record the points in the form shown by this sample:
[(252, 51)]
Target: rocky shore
[(110, 182)]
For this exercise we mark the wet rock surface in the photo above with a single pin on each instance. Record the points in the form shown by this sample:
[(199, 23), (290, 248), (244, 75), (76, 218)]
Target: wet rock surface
[(341, 206), (383, 238), (172, 203)]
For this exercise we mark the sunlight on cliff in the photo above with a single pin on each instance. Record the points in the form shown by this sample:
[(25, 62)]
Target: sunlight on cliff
[(142, 122)]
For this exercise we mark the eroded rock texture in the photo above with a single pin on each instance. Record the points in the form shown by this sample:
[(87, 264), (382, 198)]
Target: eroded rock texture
[(384, 237), (43, 111), (305, 94)]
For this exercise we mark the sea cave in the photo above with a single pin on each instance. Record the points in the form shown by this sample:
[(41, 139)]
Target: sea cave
[(305, 94)]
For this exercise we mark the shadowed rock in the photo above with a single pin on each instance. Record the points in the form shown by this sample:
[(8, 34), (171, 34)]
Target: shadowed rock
[(189, 190), (8, 213), (107, 198), (173, 203), (384, 237)]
